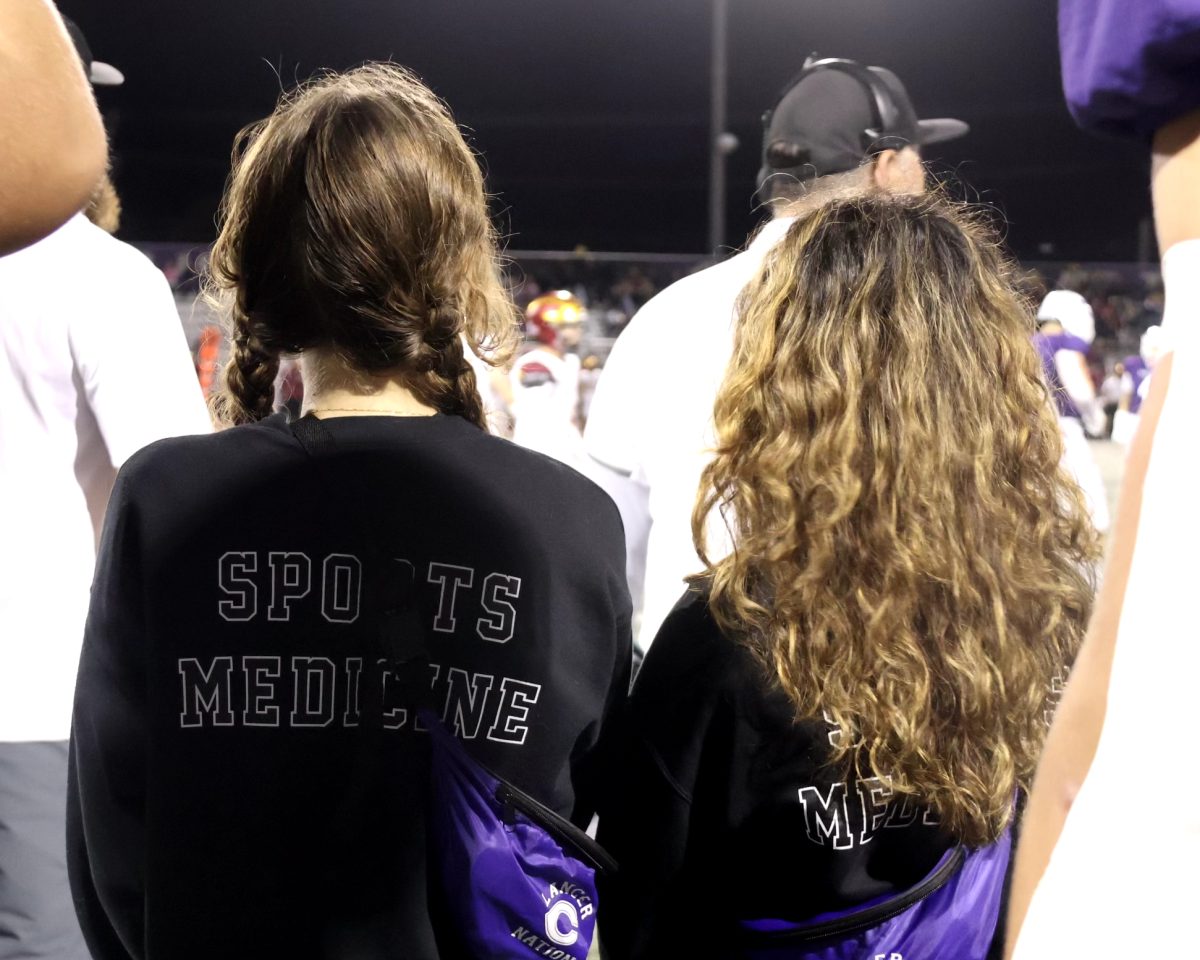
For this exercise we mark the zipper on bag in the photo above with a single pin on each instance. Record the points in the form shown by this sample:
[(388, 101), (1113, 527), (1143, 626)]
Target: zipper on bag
[(865, 919), (557, 826)]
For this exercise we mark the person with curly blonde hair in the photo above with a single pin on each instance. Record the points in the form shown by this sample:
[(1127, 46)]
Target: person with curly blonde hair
[(843, 710)]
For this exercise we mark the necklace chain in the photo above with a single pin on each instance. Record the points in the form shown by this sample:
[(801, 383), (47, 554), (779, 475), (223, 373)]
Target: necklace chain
[(398, 413)]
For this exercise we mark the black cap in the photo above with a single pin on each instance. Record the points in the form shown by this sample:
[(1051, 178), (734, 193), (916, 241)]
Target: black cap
[(837, 113), (99, 73)]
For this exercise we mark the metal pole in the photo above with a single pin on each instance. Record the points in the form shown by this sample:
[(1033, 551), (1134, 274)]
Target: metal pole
[(717, 107), (1145, 243)]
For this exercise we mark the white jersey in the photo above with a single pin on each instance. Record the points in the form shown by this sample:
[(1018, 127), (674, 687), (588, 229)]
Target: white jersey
[(1111, 861), (651, 420), (93, 366), (1080, 463), (545, 404)]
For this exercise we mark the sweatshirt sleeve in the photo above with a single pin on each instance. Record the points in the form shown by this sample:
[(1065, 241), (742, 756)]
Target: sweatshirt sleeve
[(647, 813), (107, 780), (591, 768)]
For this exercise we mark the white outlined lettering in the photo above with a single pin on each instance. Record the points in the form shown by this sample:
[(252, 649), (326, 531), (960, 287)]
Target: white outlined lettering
[(835, 732), (394, 718), (314, 679), (291, 579), (317, 692), (904, 813), (466, 697), (353, 711), (827, 818), (448, 577), (233, 568), (1058, 686), (259, 711), (874, 795), (341, 587), (207, 692), (500, 619), (516, 698)]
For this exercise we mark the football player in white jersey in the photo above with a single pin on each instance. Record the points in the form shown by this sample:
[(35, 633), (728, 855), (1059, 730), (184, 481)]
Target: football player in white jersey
[(1135, 383), (545, 379)]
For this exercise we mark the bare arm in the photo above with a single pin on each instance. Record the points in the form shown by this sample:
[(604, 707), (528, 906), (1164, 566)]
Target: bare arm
[(1072, 742), (54, 147), (1175, 181)]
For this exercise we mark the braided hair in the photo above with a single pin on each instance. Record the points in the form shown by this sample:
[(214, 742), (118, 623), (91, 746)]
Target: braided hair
[(355, 220)]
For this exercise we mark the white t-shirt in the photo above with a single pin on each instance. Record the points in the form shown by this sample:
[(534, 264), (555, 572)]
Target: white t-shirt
[(1117, 858), (93, 366), (651, 417)]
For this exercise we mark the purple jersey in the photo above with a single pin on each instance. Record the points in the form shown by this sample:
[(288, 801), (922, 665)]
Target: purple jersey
[(1048, 346), (1138, 371), (1130, 66)]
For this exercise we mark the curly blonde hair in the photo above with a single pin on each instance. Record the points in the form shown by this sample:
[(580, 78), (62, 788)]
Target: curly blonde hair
[(909, 559), (355, 220)]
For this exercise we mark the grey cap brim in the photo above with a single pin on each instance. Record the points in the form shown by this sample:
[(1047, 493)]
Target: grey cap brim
[(105, 75), (935, 131)]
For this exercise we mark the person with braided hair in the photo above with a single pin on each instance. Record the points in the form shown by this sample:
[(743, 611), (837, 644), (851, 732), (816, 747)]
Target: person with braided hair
[(249, 773)]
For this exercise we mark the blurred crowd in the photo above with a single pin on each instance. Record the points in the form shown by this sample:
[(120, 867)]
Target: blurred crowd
[(1126, 299)]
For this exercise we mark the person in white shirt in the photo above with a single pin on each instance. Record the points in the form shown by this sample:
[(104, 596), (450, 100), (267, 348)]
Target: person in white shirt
[(93, 366), (840, 128), (1066, 330), (545, 379), (1134, 385)]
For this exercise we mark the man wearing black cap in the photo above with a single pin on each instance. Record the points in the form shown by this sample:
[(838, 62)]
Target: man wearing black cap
[(840, 128), (96, 367), (104, 209)]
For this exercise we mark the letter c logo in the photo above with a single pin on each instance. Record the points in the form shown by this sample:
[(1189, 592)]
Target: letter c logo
[(557, 911)]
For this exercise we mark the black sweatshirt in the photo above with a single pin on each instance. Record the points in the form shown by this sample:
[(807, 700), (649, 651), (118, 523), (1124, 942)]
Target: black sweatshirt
[(724, 809), (228, 798)]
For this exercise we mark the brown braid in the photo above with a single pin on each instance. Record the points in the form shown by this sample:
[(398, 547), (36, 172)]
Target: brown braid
[(247, 391), (466, 400), (443, 378)]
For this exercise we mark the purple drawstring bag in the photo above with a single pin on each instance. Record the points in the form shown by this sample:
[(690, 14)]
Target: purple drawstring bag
[(950, 915), (518, 880)]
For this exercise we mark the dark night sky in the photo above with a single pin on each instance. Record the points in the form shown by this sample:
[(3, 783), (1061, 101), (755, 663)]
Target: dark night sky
[(592, 115)]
